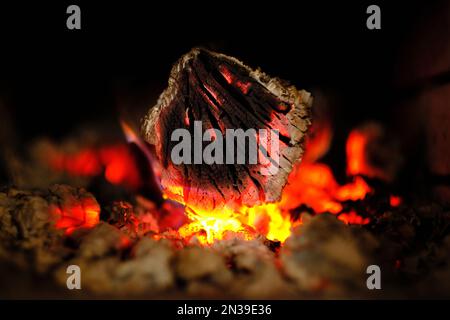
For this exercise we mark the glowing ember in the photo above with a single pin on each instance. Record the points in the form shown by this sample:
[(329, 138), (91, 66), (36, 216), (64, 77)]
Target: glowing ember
[(82, 214), (116, 161), (395, 201), (211, 226), (357, 190), (356, 149), (311, 184), (270, 221), (353, 218), (315, 186)]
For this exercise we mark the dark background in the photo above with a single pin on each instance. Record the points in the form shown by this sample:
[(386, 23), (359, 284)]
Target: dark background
[(53, 79)]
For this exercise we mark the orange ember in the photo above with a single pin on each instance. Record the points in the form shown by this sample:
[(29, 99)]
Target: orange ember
[(311, 184), (80, 214), (356, 149), (116, 161), (395, 201), (352, 218)]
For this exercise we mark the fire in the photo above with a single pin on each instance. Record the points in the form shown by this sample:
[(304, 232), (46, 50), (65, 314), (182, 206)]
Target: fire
[(270, 220), (311, 184), (395, 201), (314, 185), (83, 214), (211, 226), (116, 161), (356, 149), (267, 219), (353, 218), (357, 190)]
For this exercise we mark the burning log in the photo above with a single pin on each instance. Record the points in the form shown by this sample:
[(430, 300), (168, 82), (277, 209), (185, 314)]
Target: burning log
[(217, 93)]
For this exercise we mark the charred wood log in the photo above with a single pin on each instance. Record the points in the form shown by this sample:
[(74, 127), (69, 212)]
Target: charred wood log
[(222, 93)]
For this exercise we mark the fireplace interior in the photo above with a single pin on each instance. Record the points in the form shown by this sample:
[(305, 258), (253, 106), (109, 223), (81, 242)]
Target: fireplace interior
[(81, 184)]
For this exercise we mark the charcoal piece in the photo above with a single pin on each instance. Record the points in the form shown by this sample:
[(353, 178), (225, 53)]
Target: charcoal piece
[(223, 93)]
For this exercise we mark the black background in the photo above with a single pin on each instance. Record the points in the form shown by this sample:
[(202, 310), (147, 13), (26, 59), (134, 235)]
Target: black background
[(57, 77), (53, 79)]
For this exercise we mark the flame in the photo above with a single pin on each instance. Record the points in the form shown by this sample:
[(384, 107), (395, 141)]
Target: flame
[(318, 141), (267, 219), (356, 190), (353, 218), (209, 226), (116, 161), (395, 201), (356, 150), (311, 184), (314, 185), (270, 220)]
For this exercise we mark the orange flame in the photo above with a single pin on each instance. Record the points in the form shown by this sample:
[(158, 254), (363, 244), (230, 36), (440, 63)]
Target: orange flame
[(356, 149), (353, 218), (116, 161), (310, 183), (395, 201)]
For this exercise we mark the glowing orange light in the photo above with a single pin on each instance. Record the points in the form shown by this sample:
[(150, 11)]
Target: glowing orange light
[(243, 86), (226, 74), (310, 183), (318, 141), (353, 218), (278, 224), (85, 214), (209, 226), (116, 160), (357, 190), (356, 150), (395, 201)]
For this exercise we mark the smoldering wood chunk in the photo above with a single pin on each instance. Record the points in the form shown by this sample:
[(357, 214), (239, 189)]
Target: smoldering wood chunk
[(223, 93)]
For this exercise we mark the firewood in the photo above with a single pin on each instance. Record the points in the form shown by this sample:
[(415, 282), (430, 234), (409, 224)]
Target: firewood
[(222, 93)]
